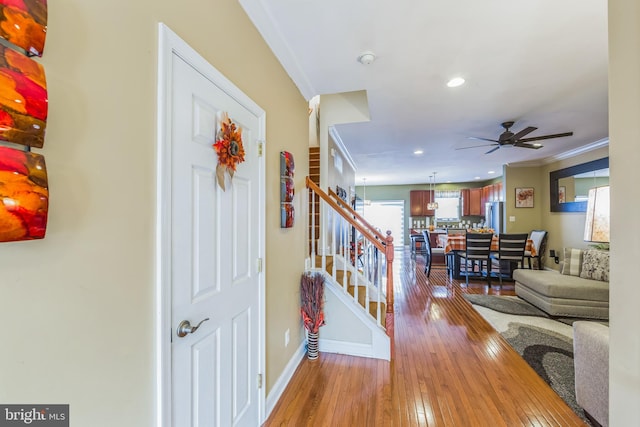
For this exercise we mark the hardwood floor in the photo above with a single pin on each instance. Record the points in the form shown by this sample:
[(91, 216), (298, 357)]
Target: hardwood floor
[(450, 369)]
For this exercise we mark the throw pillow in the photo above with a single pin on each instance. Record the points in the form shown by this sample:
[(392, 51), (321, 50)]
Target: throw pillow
[(595, 265), (572, 261)]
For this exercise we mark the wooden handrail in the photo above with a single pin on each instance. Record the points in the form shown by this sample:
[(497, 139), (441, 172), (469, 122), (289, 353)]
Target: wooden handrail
[(349, 209), (378, 244), (383, 243)]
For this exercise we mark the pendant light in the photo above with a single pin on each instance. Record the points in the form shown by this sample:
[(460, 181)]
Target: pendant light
[(432, 205)]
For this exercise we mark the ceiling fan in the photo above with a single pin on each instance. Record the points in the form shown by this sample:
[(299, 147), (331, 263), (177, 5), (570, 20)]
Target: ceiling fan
[(509, 138)]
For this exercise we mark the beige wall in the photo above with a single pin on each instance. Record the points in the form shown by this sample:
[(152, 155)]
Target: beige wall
[(525, 219), (566, 229), (624, 160), (78, 307)]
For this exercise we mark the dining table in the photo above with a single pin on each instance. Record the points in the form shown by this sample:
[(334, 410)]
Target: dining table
[(458, 243)]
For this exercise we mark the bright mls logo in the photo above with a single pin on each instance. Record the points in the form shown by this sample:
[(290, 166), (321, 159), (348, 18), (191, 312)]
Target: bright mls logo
[(34, 415)]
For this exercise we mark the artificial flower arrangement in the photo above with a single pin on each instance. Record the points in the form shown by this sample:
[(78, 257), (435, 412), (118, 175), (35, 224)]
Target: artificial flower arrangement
[(312, 301), (229, 148)]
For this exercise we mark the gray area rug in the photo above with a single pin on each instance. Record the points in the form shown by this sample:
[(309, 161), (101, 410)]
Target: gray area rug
[(545, 344)]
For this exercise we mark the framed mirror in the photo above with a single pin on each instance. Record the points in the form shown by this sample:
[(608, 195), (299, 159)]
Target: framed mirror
[(569, 187)]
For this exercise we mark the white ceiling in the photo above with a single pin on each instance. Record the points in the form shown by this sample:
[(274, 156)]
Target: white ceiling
[(539, 63)]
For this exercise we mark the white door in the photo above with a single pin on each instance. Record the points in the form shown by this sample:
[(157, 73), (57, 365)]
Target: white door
[(216, 240)]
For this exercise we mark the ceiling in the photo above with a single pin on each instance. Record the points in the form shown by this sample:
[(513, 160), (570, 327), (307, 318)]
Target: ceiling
[(539, 63)]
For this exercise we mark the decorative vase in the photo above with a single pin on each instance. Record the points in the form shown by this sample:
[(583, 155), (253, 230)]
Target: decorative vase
[(312, 345)]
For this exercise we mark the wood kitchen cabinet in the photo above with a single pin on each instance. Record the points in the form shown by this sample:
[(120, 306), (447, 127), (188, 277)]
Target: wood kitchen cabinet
[(472, 201), (476, 207), (418, 201)]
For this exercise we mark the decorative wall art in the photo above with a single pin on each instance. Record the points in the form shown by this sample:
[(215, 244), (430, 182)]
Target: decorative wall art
[(229, 148), (24, 24), (23, 99), (24, 195), (287, 168), (24, 188), (524, 197)]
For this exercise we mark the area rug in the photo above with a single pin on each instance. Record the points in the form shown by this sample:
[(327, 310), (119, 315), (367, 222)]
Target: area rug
[(545, 344)]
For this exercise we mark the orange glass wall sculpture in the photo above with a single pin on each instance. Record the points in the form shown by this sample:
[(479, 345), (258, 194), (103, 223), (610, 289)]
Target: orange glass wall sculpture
[(24, 23), (24, 195), (287, 168), (23, 99)]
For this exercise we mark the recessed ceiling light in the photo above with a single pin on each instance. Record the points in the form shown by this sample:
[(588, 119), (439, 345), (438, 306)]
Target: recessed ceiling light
[(477, 177), (491, 172), (455, 82), (418, 152)]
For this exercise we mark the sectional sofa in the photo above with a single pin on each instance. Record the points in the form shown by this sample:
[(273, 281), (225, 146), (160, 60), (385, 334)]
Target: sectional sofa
[(580, 289)]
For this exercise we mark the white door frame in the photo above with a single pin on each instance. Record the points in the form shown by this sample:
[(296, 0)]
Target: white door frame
[(170, 44)]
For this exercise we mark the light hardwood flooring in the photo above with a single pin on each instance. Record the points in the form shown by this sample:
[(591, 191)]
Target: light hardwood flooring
[(450, 369)]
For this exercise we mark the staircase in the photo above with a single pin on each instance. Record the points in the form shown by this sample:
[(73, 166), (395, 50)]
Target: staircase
[(314, 201), (357, 261)]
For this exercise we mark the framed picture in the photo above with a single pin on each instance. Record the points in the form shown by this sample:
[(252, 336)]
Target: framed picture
[(562, 190), (524, 197), (287, 191)]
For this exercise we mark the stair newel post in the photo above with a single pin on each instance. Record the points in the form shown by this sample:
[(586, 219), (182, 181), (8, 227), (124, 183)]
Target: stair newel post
[(389, 319)]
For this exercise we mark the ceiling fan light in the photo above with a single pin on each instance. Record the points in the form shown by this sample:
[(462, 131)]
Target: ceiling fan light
[(432, 206)]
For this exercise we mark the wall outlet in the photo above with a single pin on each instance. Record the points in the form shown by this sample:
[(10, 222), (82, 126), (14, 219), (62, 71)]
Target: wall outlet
[(286, 337), (512, 219)]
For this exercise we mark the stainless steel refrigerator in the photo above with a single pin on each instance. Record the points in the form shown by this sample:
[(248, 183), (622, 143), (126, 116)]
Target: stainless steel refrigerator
[(494, 216)]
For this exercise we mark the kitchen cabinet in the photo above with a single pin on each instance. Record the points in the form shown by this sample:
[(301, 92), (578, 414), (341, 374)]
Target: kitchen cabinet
[(471, 201), (476, 207), (418, 201)]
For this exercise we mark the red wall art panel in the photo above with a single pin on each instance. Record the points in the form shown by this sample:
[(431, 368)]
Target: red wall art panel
[(24, 195), (287, 168), (24, 23), (23, 99)]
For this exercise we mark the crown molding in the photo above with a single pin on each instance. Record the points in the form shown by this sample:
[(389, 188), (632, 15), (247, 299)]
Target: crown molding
[(566, 155), (263, 20), (343, 150)]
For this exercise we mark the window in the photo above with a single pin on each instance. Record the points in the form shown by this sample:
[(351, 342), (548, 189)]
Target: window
[(388, 215), (448, 205)]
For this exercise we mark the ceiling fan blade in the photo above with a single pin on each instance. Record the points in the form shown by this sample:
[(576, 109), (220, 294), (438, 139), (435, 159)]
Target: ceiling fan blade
[(525, 145), (476, 146), (538, 138), (482, 139), (522, 133), (492, 150)]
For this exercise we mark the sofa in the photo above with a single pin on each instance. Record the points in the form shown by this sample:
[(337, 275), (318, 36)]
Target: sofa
[(580, 289), (591, 360)]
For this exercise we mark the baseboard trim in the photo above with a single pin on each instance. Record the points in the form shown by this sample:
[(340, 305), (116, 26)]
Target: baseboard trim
[(350, 348), (278, 388)]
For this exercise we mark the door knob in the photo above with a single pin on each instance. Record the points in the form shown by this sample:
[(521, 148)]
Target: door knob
[(185, 327)]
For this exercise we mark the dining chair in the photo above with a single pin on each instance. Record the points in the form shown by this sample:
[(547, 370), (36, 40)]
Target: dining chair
[(510, 251), (428, 252), (478, 248), (539, 238), (449, 257)]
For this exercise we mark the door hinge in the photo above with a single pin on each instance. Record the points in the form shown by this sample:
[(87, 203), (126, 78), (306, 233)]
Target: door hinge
[(259, 380), (259, 265), (260, 147)]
